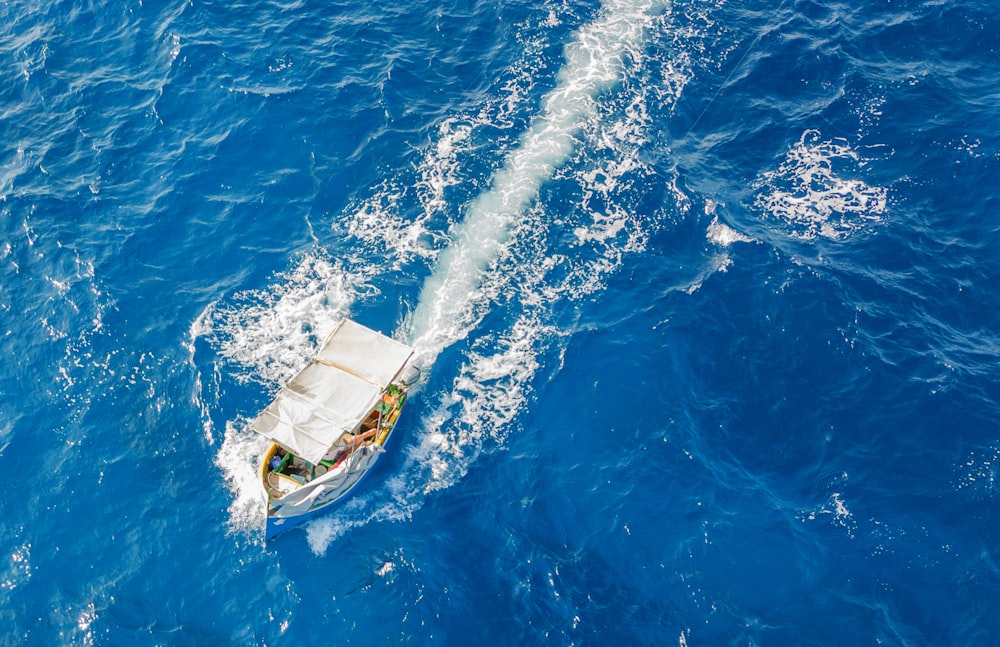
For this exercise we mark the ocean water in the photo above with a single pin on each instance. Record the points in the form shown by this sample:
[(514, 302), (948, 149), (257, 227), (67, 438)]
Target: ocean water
[(705, 293)]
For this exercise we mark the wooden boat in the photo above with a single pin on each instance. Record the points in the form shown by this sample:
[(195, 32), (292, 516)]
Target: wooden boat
[(328, 425)]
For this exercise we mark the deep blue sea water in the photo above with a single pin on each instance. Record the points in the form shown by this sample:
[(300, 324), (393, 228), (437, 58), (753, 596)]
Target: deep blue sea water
[(706, 296)]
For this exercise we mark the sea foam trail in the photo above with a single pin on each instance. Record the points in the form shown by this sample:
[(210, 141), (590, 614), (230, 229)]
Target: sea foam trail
[(446, 310), (490, 388)]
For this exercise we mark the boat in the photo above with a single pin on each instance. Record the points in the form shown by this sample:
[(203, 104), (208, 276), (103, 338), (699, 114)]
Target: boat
[(329, 423)]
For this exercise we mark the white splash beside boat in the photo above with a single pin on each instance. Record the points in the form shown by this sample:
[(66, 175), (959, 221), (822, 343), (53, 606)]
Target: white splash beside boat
[(329, 424)]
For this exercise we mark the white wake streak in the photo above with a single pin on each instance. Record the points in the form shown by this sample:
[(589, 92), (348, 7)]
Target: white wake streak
[(499, 247), (492, 386), (447, 309)]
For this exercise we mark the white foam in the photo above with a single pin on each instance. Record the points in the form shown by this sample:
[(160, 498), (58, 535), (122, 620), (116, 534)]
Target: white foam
[(380, 221), (809, 193), (446, 310), (723, 235), (836, 509), (440, 169), (238, 458), (273, 332)]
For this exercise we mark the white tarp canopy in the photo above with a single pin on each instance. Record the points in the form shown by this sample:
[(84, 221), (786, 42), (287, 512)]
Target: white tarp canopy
[(334, 393)]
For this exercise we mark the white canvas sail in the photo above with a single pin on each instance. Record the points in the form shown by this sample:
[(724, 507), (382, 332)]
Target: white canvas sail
[(334, 393)]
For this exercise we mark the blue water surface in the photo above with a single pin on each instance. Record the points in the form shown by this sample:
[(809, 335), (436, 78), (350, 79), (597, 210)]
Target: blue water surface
[(705, 296)]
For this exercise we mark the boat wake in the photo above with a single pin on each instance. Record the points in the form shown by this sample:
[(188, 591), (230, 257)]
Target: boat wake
[(506, 272), (595, 61), (505, 252)]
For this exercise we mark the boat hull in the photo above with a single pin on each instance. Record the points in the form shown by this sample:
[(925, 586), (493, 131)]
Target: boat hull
[(279, 523)]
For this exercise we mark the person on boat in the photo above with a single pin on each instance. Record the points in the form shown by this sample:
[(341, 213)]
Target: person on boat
[(349, 442), (345, 446)]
